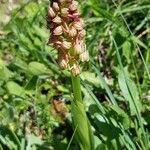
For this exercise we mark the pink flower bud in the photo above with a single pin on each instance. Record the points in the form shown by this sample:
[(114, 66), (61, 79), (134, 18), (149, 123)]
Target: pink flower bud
[(72, 32), (58, 30), (66, 45), (74, 16), (64, 12), (78, 48), (84, 56), (57, 20), (73, 6), (51, 12), (55, 6), (75, 70)]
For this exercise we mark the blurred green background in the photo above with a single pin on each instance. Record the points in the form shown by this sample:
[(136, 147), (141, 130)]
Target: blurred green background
[(35, 94)]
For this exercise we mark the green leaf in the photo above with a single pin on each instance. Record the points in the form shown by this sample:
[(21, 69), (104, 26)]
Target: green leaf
[(36, 68), (83, 132), (40, 32), (130, 92), (32, 83), (9, 138), (32, 140), (106, 87), (20, 64), (5, 73), (91, 78), (127, 50), (62, 89), (139, 42), (120, 116), (15, 89), (105, 126)]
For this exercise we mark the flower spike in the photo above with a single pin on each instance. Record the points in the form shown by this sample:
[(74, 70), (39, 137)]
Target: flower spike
[(67, 34)]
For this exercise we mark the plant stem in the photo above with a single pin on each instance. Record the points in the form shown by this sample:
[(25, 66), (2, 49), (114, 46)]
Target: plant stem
[(81, 124), (76, 88), (1, 148), (147, 61)]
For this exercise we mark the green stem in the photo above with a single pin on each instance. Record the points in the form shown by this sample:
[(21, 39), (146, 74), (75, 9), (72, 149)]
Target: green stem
[(81, 124), (1, 148), (76, 88), (147, 61)]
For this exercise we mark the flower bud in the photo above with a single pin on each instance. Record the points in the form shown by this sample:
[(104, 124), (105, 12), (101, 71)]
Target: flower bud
[(72, 32), (66, 45), (75, 70), (78, 48), (57, 44), (57, 20), (63, 63), (64, 12), (55, 6), (82, 33), (84, 47), (78, 25), (51, 12), (58, 30), (74, 16), (73, 6), (84, 56)]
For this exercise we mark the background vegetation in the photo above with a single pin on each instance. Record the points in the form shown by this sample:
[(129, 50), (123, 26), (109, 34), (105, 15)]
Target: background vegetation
[(35, 94)]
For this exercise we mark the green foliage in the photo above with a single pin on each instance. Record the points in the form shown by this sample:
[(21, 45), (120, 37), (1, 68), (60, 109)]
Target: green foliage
[(35, 94)]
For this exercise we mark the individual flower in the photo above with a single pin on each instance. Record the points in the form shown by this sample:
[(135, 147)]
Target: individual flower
[(66, 45), (55, 6), (84, 56), (57, 20), (75, 69), (78, 48), (72, 32), (51, 12), (58, 30)]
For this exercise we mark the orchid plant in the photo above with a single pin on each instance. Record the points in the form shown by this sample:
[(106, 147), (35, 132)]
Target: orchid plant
[(67, 37)]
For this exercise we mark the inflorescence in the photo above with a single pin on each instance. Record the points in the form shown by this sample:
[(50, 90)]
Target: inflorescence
[(67, 34)]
